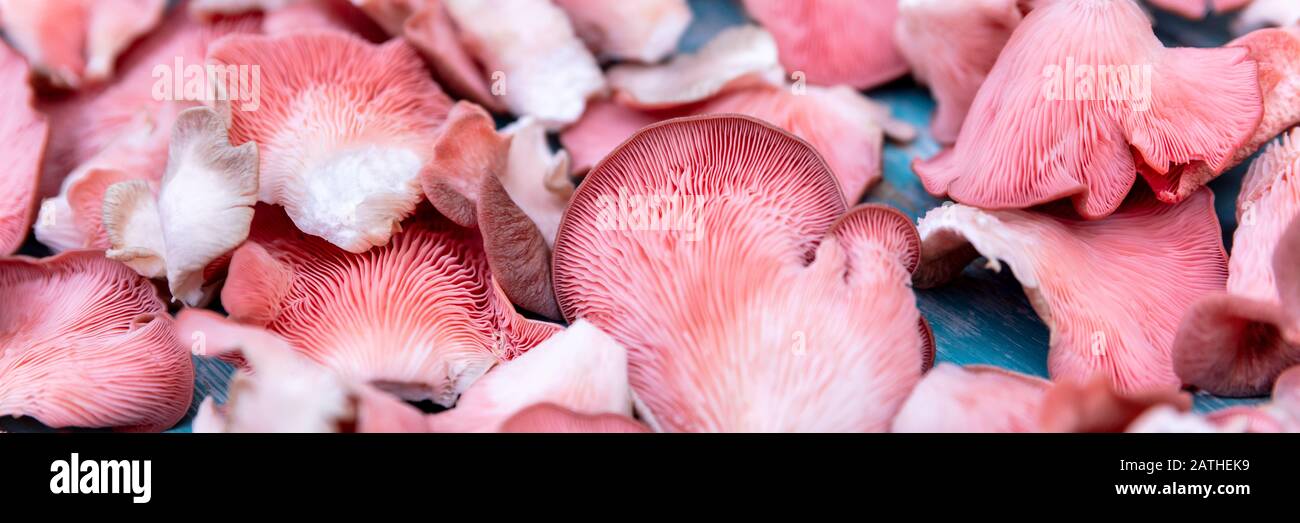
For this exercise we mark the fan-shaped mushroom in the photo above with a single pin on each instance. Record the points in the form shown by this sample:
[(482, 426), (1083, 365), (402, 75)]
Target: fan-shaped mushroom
[(1277, 51), (1111, 291), (1081, 98), (421, 317), (121, 131), (202, 211), (343, 129), (973, 399), (1236, 343), (91, 346), (647, 251), (834, 42)]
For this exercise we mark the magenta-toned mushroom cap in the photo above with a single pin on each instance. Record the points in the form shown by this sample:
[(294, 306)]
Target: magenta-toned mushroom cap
[(91, 346), (1080, 117), (817, 329), (421, 317), (1112, 292), (343, 128)]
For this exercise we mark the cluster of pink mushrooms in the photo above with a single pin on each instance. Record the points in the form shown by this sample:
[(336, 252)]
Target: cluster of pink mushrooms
[(375, 241)]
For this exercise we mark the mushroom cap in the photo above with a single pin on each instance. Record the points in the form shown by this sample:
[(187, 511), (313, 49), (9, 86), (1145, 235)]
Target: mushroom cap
[(420, 317), (1238, 344), (951, 47), (76, 42), (119, 132), (1112, 292), (647, 252), (24, 133), (977, 398), (432, 32), (834, 42), (1277, 53), (510, 187), (553, 419), (1045, 127), (581, 369), (92, 346), (202, 211), (343, 128), (639, 30)]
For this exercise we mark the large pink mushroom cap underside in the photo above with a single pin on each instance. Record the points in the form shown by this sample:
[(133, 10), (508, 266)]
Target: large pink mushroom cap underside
[(647, 252), (834, 42), (92, 346), (1112, 292), (420, 317), (1082, 97), (343, 127), (23, 135)]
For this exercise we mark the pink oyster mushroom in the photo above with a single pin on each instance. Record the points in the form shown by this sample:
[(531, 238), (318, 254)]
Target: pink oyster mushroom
[(1112, 292), (421, 317), (1236, 343), (647, 251), (510, 186), (91, 346), (351, 176), (200, 213), (834, 42), (1277, 52), (120, 132), (1036, 133)]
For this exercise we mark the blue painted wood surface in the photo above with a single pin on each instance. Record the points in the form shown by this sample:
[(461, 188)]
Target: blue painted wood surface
[(982, 317)]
